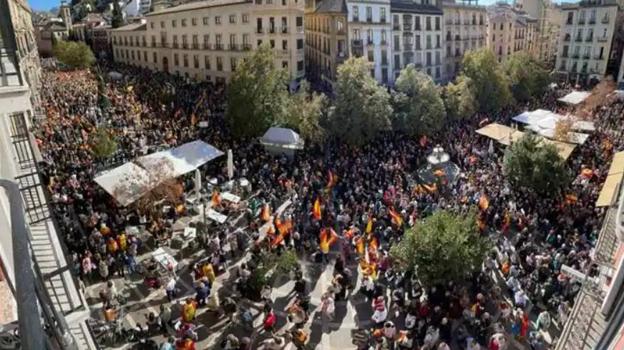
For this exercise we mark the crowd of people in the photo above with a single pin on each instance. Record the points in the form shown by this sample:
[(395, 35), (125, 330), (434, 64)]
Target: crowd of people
[(521, 279)]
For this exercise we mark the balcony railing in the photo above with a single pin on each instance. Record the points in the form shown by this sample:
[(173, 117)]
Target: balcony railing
[(575, 56), (234, 47), (369, 19), (369, 41), (218, 47), (207, 46), (564, 55), (382, 20), (185, 46), (396, 26), (578, 39), (581, 21), (605, 20), (195, 46), (589, 38), (259, 30), (246, 47), (586, 57), (408, 47), (592, 21), (566, 38), (407, 27), (357, 42), (176, 46), (601, 39)]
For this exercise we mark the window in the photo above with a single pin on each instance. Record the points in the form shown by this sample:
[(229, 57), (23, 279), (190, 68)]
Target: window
[(356, 14), (174, 23), (176, 60), (207, 62), (369, 14), (369, 37), (185, 58), (218, 44), (371, 56), (428, 23), (233, 41), (285, 64), (206, 41), (397, 61), (217, 19), (299, 66), (417, 22), (196, 61), (232, 18), (175, 41), (437, 23), (299, 44), (155, 57), (245, 18), (246, 40), (259, 42), (162, 24), (193, 21), (145, 56), (299, 21), (183, 22), (382, 15), (233, 64), (206, 20), (184, 42), (397, 43), (152, 25), (195, 42), (284, 44), (259, 25), (428, 58), (220, 64), (272, 43)]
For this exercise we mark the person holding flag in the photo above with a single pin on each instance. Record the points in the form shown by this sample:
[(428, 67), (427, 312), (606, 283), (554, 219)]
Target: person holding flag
[(327, 238), (316, 209)]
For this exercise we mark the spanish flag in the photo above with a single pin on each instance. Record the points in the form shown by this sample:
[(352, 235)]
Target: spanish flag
[(316, 209), (373, 244), (359, 245), (484, 202), (265, 213), (395, 217), (216, 198), (431, 188), (327, 238), (369, 226), (349, 233), (571, 198), (331, 179)]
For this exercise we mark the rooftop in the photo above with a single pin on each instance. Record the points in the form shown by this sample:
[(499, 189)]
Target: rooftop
[(338, 6), (131, 27), (411, 7), (196, 6)]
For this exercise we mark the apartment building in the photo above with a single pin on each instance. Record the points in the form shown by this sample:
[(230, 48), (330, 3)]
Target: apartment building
[(546, 14), (465, 27), (509, 31), (205, 40), (326, 38), (417, 38), (585, 42), (620, 80), (369, 33)]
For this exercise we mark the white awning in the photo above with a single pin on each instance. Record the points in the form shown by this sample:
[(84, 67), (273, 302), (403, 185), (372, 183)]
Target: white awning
[(544, 123), (126, 183), (180, 160), (575, 97)]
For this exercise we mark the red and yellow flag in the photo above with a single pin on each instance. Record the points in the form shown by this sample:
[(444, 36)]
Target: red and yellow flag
[(332, 179), (369, 226), (265, 213), (316, 209), (395, 217), (484, 202), (327, 238), (359, 245), (216, 198), (571, 198)]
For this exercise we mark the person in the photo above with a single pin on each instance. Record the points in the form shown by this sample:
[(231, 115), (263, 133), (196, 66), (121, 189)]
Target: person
[(168, 344), (380, 311), (188, 310), (270, 319), (202, 292), (296, 314), (299, 338), (170, 288), (328, 306), (543, 320), (165, 317)]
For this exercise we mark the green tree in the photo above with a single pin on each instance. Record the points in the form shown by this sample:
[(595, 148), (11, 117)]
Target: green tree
[(103, 144), (257, 94), (117, 20), (74, 54), (459, 99), (527, 77), (444, 247), (362, 106), (304, 112), (103, 101), (535, 166), (418, 107), (490, 85)]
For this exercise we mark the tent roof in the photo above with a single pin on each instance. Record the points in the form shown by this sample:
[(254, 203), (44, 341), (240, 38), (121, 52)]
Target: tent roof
[(126, 183), (544, 123), (575, 97), (282, 137), (180, 160)]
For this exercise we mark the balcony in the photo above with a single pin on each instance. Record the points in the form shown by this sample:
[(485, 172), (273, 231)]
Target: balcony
[(581, 21), (575, 56), (234, 47), (369, 19), (176, 46), (589, 38), (407, 27), (602, 39), (207, 46), (457, 22), (396, 26), (272, 30), (569, 22), (382, 20), (578, 39), (586, 57), (218, 47), (605, 20), (356, 18), (195, 46), (566, 37), (260, 30), (369, 41), (408, 47), (185, 46), (246, 47), (284, 30), (592, 21), (357, 43), (564, 55), (449, 38)]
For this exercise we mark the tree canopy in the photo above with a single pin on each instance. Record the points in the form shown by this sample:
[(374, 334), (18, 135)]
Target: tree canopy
[(530, 164), (441, 248), (459, 99), (257, 94), (74, 54), (304, 112), (362, 106), (418, 107), (117, 20), (527, 77), (490, 85), (103, 144)]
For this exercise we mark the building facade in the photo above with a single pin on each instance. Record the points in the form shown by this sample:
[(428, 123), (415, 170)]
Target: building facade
[(509, 31), (205, 40), (620, 79), (465, 26), (369, 33), (326, 38), (585, 41), (417, 28), (546, 14)]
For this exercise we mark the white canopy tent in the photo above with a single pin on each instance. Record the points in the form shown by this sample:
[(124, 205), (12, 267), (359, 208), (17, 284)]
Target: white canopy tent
[(575, 97), (130, 181), (126, 183), (115, 75), (179, 160), (281, 140), (544, 123)]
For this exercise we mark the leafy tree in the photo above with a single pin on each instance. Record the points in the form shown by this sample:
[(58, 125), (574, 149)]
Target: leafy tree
[(441, 248), (530, 164), (74, 54), (104, 144), (257, 95), (418, 107), (304, 112), (459, 99), (362, 106), (528, 78), (490, 85), (117, 20), (103, 101)]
